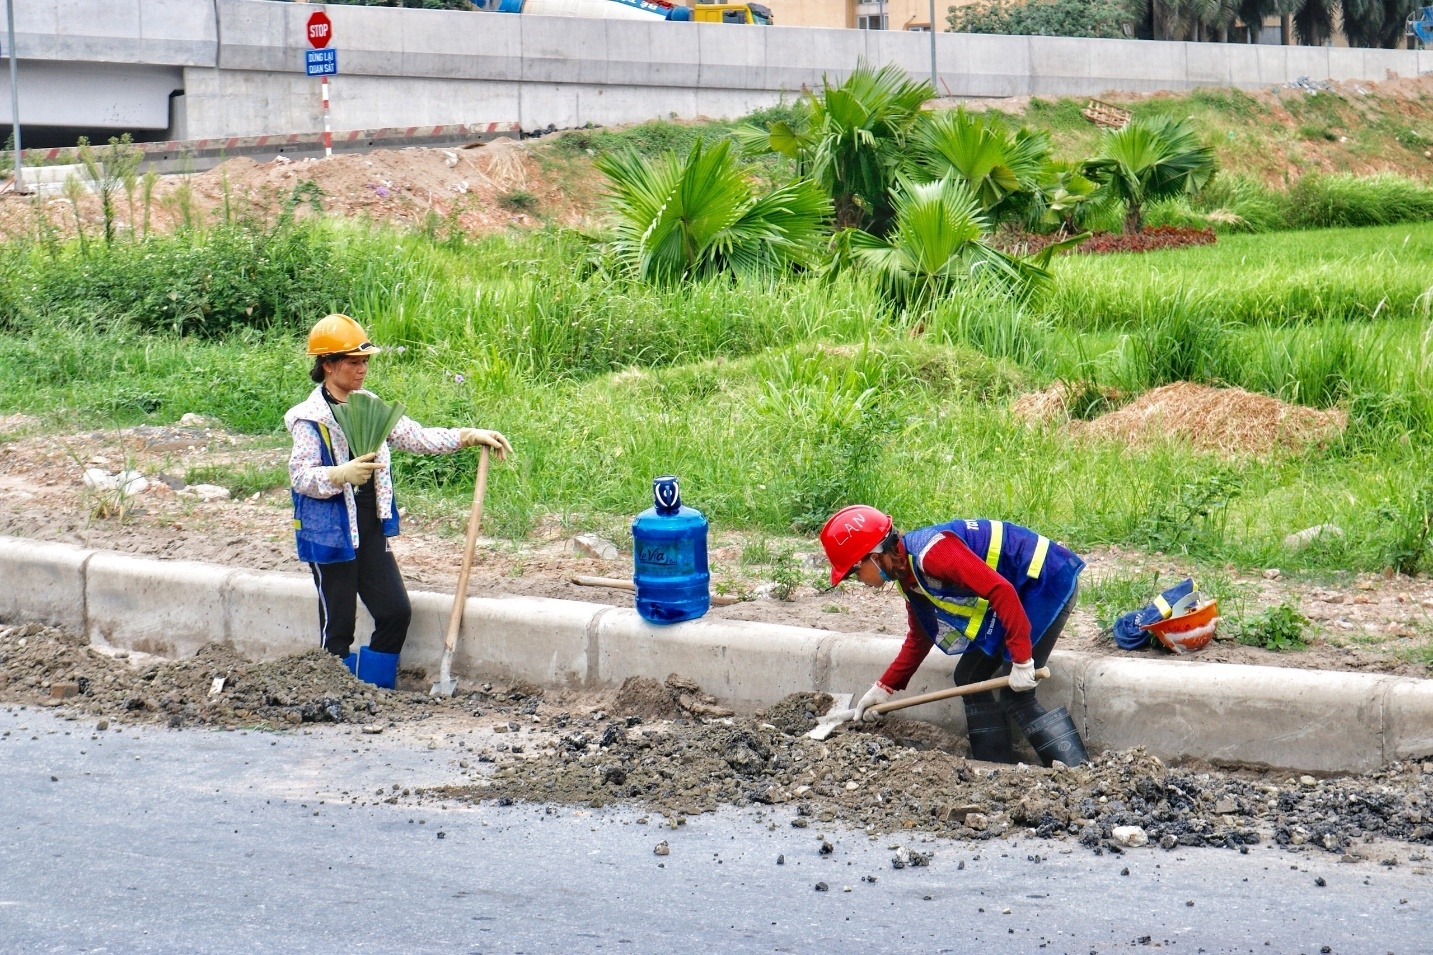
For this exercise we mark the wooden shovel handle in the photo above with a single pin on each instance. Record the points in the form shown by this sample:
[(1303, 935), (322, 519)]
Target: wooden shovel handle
[(998, 683), (475, 520)]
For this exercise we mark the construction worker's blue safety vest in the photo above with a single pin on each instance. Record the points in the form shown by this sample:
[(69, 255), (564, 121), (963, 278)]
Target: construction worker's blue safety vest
[(321, 523), (1043, 573)]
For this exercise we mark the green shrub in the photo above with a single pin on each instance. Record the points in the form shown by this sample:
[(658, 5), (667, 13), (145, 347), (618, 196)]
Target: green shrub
[(239, 275), (518, 200), (1278, 628), (1077, 18)]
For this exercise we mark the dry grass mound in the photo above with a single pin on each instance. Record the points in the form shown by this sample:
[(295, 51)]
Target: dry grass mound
[(1229, 420)]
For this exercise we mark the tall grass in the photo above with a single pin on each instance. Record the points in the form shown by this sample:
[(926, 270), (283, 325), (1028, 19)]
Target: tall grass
[(779, 401), (1339, 275), (1238, 203)]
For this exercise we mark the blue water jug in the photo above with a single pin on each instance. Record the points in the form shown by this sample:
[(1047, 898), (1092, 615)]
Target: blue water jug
[(669, 546)]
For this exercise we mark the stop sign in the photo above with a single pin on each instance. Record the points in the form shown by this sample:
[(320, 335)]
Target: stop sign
[(320, 30)]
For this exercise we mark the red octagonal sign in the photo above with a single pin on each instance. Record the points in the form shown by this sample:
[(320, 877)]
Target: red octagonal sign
[(320, 30)]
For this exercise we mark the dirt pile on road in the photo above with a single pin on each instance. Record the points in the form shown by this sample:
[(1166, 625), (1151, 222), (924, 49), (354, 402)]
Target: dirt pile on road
[(644, 697), (866, 779), (797, 713), (215, 687), (1230, 420)]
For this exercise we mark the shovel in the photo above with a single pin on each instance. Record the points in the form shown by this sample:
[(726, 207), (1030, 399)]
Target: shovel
[(827, 724), (446, 684)]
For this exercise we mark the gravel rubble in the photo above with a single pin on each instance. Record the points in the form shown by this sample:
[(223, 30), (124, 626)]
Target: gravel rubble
[(900, 776)]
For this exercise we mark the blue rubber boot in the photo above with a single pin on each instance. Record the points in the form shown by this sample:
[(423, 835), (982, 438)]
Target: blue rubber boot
[(380, 669), (351, 661)]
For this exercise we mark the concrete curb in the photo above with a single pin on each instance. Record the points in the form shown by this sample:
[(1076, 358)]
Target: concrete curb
[(1307, 720)]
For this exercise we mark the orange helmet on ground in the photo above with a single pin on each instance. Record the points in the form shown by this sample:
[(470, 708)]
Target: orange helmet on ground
[(851, 534), (1190, 625), (339, 335)]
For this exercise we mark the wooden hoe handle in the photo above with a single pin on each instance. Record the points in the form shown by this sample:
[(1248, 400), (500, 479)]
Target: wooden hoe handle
[(998, 683), (475, 519)]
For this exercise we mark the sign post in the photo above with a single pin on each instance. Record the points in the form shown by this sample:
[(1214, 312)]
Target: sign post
[(322, 62), (14, 98)]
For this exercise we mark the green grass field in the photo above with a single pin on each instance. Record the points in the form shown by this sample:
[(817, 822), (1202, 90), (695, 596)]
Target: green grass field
[(779, 401)]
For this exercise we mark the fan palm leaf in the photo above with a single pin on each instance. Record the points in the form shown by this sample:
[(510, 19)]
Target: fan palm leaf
[(1151, 159), (935, 243), (675, 219), (999, 166), (850, 139)]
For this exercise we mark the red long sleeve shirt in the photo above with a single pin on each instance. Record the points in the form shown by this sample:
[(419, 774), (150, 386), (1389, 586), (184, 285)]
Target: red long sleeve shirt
[(949, 559)]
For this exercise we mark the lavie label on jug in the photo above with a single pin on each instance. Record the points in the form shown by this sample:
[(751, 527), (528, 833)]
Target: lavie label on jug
[(671, 561)]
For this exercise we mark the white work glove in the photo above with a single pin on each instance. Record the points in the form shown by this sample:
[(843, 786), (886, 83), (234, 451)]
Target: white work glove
[(1022, 676), (355, 472), (876, 694), (467, 437)]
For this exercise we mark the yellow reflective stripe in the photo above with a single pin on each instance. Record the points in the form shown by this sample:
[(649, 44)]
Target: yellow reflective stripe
[(1163, 606), (973, 613), (1037, 563), (323, 430), (976, 618), (997, 541), (298, 524)]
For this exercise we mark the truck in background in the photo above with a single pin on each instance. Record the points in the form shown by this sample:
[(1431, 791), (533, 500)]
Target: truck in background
[(754, 13)]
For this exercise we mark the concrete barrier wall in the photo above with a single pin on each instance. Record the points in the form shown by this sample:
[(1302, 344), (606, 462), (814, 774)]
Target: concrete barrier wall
[(1289, 718), (243, 60)]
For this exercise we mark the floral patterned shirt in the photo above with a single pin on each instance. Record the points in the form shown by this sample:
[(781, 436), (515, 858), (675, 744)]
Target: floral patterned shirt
[(309, 476)]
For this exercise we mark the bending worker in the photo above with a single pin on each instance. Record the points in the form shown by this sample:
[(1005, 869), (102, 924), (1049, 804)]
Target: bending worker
[(344, 509), (995, 594)]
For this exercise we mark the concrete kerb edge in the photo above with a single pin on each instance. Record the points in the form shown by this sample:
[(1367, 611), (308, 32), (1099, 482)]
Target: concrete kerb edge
[(1388, 720)]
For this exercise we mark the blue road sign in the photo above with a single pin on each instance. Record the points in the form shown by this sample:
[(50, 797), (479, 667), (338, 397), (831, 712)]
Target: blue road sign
[(321, 62)]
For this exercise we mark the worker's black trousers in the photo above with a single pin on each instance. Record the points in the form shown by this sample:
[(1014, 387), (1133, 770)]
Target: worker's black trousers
[(975, 666), (373, 575)]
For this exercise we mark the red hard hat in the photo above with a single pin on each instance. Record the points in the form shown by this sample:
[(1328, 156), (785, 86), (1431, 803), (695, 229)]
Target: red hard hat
[(851, 534)]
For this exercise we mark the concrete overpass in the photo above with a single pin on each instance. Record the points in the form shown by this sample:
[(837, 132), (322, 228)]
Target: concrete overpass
[(189, 69)]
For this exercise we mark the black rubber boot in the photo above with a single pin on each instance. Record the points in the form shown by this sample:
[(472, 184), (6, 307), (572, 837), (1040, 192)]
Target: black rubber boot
[(1054, 736), (989, 729)]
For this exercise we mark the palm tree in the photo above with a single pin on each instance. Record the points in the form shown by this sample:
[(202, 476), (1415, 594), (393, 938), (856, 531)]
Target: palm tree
[(1151, 159), (1062, 194), (1000, 167), (1376, 23), (679, 219), (936, 243), (852, 140)]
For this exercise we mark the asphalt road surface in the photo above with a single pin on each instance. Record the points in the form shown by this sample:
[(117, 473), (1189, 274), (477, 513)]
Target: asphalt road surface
[(153, 840)]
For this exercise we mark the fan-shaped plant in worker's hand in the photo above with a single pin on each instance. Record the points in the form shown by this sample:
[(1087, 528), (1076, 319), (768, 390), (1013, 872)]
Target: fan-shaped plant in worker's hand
[(367, 420)]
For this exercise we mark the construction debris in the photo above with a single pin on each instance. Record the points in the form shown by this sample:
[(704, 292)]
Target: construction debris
[(1106, 115), (865, 779), (883, 778)]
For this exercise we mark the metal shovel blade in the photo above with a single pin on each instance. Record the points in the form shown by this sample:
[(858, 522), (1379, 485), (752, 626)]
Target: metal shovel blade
[(446, 683), (840, 712), (826, 725)]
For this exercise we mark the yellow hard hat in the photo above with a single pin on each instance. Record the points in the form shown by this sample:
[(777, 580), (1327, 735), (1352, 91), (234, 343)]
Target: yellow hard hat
[(339, 335)]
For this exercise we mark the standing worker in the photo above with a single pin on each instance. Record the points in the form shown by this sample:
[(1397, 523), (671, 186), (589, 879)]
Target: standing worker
[(342, 519), (952, 576)]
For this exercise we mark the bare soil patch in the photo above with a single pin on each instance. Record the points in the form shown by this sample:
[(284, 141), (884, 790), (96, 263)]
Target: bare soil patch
[(465, 191)]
